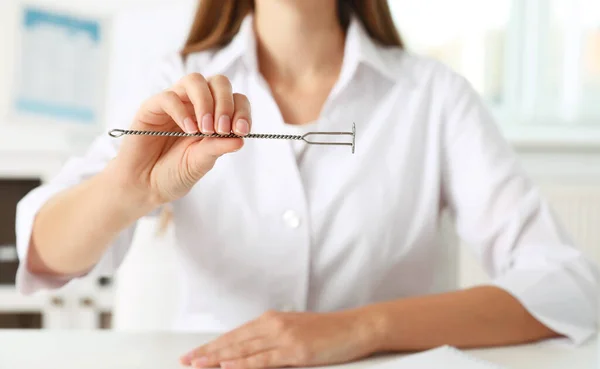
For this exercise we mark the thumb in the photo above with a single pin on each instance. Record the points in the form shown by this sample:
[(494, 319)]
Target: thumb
[(203, 154)]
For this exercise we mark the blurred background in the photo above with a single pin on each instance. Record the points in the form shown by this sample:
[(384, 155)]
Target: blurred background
[(69, 69)]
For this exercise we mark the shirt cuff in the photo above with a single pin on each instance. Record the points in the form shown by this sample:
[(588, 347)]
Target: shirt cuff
[(564, 299)]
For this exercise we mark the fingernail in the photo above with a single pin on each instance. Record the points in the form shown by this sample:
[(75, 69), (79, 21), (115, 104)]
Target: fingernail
[(200, 362), (208, 124), (189, 125), (242, 127), (224, 126)]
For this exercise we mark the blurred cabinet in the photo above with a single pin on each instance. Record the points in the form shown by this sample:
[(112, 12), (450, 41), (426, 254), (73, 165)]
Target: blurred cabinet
[(86, 305), (11, 191), (20, 320), (70, 308), (8, 264)]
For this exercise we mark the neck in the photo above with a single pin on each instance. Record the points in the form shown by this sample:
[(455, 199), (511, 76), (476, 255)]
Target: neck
[(298, 38)]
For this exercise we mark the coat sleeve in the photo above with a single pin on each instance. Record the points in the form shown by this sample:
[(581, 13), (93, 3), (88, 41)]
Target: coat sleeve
[(73, 172), (501, 214)]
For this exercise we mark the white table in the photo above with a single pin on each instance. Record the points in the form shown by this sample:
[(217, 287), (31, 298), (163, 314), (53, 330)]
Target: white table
[(101, 350)]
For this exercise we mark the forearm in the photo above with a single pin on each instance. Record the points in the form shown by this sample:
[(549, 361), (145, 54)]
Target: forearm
[(477, 317), (73, 229)]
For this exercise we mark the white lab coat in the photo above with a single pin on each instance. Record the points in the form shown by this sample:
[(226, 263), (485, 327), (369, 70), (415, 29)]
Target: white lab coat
[(333, 230)]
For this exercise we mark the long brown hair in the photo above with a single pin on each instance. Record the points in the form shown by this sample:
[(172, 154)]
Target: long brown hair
[(218, 21)]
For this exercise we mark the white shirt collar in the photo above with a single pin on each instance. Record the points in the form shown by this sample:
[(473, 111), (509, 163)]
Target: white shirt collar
[(360, 49)]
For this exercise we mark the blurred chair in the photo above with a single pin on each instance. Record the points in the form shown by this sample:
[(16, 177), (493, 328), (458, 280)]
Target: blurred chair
[(147, 292)]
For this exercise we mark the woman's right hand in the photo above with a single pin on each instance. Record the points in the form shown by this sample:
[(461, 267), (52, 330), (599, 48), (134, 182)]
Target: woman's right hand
[(163, 169)]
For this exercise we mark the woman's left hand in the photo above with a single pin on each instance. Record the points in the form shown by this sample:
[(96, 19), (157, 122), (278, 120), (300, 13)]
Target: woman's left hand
[(279, 339)]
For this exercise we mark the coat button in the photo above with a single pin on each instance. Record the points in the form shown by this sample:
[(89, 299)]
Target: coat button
[(291, 218)]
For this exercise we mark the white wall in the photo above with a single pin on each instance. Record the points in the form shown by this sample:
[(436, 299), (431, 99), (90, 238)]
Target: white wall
[(142, 39)]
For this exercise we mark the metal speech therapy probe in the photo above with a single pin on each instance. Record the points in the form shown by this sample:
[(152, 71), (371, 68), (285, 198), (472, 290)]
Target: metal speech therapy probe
[(309, 137)]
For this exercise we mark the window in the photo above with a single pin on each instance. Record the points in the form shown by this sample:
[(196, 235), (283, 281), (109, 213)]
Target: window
[(536, 62), (570, 61)]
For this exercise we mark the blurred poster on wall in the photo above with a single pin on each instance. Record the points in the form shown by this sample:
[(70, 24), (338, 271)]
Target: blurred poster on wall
[(61, 67)]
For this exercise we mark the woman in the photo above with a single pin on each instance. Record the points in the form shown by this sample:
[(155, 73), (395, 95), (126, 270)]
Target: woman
[(309, 255)]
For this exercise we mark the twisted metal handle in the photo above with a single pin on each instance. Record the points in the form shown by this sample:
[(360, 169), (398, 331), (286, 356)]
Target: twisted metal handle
[(311, 138), (123, 132)]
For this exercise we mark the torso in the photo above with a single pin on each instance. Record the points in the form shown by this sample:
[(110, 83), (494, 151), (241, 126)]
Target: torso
[(335, 231), (339, 231)]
